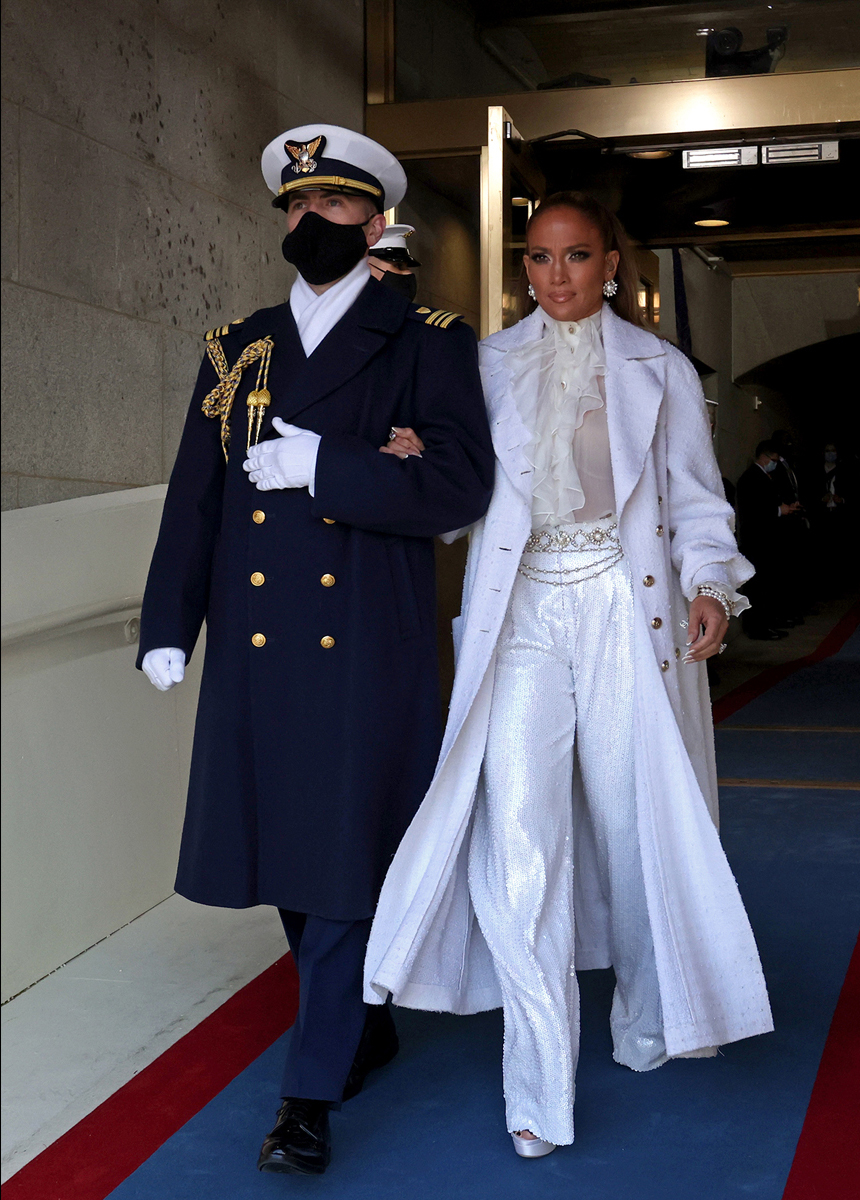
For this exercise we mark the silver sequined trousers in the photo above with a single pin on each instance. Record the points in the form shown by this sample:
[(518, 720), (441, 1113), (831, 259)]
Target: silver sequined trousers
[(563, 687)]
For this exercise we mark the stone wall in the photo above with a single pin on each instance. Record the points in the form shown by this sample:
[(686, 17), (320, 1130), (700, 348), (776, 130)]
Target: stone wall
[(135, 215), (740, 422)]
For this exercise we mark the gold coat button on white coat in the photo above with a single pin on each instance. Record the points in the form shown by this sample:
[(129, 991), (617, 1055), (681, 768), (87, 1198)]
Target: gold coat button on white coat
[(259, 639), (327, 580), (258, 579), (328, 520), (657, 622), (664, 665), (258, 516), (659, 531), (327, 642), (677, 651), (648, 580)]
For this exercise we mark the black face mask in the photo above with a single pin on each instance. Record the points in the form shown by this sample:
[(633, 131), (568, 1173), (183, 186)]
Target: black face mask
[(404, 285), (322, 251)]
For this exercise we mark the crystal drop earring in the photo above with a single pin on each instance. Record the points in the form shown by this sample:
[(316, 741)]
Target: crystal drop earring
[(610, 288), (532, 293)]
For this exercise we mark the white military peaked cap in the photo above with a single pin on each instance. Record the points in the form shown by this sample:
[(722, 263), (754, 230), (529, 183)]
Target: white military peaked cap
[(394, 238), (392, 245), (329, 156)]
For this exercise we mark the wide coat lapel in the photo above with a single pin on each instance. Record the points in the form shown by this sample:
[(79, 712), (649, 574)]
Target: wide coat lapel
[(510, 435), (361, 333), (635, 383)]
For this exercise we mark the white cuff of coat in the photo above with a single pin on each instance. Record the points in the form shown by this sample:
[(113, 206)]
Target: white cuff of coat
[(311, 449)]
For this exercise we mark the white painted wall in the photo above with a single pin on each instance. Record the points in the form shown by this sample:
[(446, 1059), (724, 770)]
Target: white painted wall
[(94, 758)]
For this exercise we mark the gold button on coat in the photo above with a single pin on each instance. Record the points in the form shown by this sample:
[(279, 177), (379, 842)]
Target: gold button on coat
[(657, 622), (648, 580), (659, 499), (677, 652), (258, 516), (329, 520), (259, 639), (327, 581), (664, 665), (258, 579), (659, 531), (327, 642)]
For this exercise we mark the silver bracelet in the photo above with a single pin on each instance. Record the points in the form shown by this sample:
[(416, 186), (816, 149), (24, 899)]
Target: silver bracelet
[(723, 599)]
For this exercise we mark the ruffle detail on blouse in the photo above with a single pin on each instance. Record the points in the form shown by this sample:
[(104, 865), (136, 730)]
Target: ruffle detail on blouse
[(555, 384)]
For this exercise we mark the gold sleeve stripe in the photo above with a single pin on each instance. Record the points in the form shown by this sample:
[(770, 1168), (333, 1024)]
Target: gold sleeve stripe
[(434, 316), (443, 324)]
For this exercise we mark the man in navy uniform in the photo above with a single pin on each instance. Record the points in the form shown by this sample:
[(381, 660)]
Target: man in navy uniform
[(310, 556)]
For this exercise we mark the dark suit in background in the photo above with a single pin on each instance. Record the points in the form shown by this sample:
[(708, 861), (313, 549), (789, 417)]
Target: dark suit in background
[(759, 538)]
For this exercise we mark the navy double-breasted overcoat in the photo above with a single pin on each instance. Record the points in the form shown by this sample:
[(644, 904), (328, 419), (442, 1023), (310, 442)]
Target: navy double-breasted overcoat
[(315, 743)]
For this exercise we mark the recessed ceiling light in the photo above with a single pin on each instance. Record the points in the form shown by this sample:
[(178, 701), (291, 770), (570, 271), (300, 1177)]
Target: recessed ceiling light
[(649, 153), (520, 201), (710, 222)]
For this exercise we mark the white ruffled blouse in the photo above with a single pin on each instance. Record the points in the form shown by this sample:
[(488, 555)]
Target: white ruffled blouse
[(559, 393)]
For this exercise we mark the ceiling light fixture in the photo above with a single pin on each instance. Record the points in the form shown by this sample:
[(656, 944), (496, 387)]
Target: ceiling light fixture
[(649, 153), (720, 156), (714, 215)]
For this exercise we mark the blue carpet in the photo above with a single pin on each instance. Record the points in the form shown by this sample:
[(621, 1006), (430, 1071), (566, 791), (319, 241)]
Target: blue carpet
[(757, 755), (827, 693), (431, 1125)]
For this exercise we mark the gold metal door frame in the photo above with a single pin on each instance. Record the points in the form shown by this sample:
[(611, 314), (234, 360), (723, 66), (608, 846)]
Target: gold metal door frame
[(499, 169), (750, 108), (757, 108)]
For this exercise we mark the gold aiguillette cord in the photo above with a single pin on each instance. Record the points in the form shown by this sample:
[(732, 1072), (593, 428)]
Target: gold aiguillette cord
[(260, 398)]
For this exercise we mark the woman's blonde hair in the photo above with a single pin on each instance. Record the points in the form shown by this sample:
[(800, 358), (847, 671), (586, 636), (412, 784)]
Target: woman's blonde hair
[(612, 235)]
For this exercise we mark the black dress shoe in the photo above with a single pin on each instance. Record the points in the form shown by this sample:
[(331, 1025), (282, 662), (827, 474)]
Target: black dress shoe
[(300, 1143), (377, 1047)]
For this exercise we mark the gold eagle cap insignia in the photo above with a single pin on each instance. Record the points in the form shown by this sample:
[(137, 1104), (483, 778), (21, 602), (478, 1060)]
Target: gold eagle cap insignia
[(304, 154)]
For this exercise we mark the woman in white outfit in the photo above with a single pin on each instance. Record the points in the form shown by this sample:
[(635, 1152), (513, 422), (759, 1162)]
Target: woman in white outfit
[(568, 823)]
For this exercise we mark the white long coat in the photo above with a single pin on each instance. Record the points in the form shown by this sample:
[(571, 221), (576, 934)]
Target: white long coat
[(675, 527)]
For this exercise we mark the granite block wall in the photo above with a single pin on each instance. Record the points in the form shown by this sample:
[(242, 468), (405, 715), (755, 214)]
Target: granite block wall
[(135, 216)]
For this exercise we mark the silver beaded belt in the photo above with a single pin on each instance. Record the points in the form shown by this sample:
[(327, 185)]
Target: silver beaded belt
[(562, 538), (597, 547)]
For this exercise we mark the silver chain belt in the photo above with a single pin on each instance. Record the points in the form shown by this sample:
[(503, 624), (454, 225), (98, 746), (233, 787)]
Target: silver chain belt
[(601, 544)]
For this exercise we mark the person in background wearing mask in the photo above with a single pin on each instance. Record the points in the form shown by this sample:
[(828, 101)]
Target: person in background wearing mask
[(831, 514), (310, 557), (760, 512), (794, 531), (392, 264)]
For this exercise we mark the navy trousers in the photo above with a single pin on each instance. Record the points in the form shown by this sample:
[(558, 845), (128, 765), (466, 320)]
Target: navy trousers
[(329, 956)]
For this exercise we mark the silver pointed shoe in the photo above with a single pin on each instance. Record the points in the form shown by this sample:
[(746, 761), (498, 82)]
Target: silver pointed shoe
[(531, 1147)]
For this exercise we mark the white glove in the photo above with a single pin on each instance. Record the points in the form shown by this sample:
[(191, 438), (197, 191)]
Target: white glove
[(288, 462), (164, 667)]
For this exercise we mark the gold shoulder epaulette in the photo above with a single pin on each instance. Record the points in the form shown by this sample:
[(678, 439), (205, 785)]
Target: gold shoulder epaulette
[(441, 318), (221, 330)]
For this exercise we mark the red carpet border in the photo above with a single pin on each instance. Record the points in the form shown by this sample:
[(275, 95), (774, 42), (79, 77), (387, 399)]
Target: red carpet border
[(103, 1149), (827, 1160)]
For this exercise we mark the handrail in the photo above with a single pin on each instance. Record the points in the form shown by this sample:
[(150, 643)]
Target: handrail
[(74, 620)]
